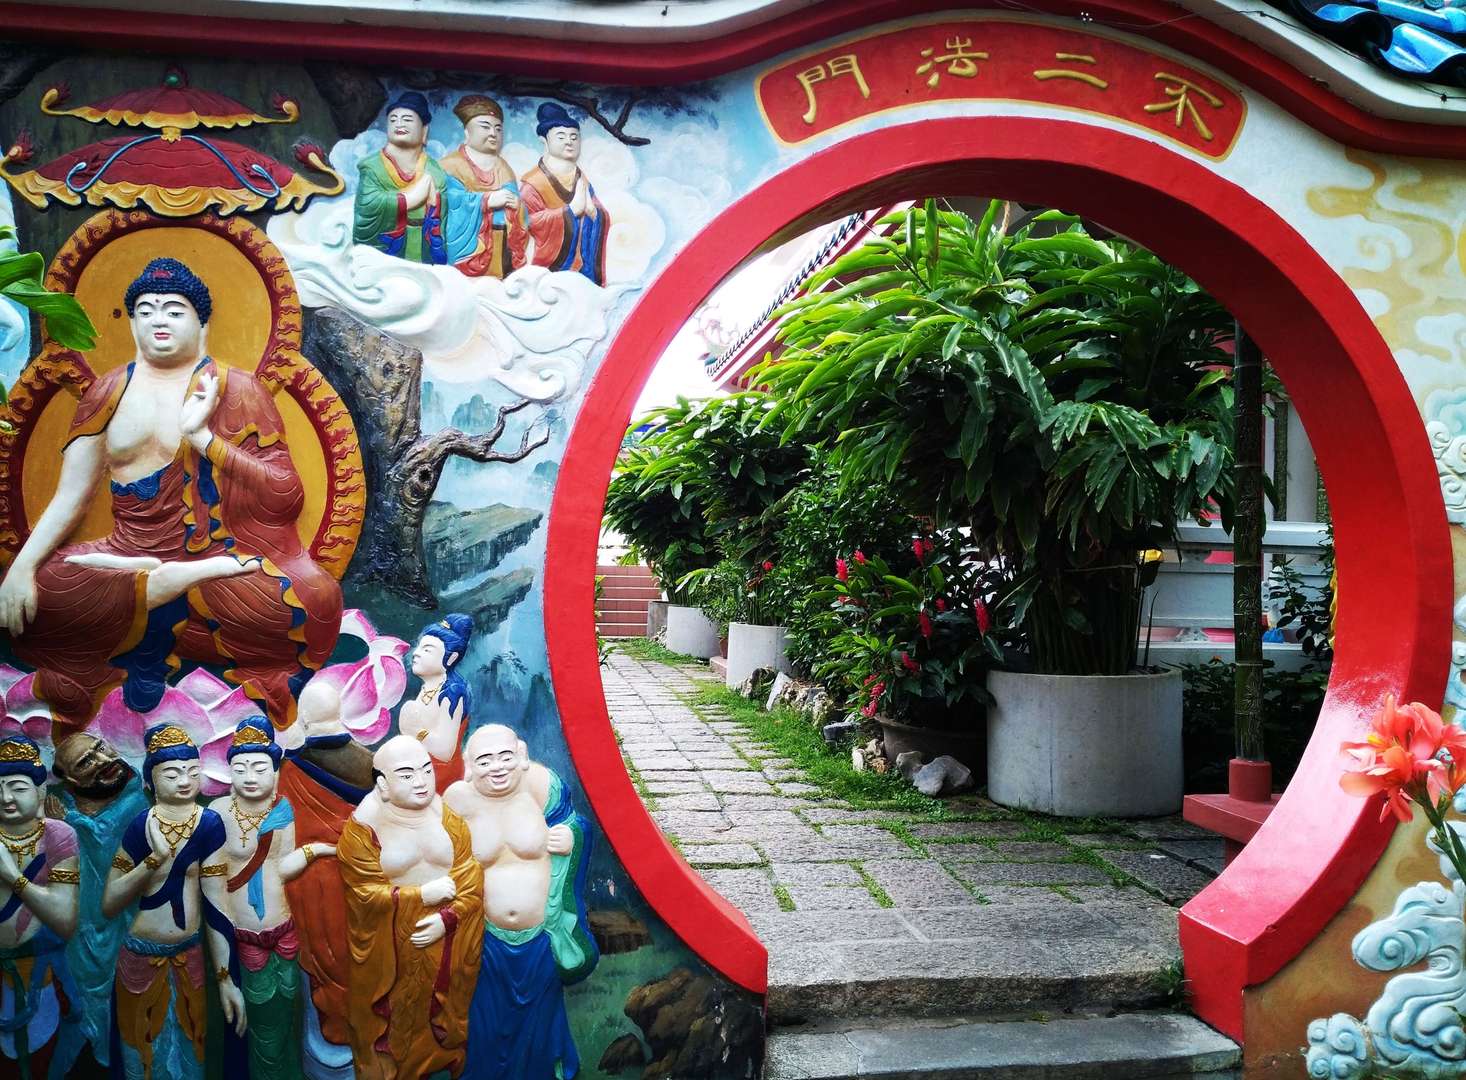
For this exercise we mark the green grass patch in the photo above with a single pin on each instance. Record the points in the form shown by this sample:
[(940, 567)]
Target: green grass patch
[(647, 649), (899, 830), (883, 898), (647, 798), (781, 894), (793, 737)]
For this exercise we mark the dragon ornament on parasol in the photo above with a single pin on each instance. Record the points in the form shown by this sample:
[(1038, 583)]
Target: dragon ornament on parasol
[(168, 166)]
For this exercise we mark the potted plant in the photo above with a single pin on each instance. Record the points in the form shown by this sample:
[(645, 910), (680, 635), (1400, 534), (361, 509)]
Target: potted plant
[(912, 652), (749, 605), (698, 482), (1064, 399)]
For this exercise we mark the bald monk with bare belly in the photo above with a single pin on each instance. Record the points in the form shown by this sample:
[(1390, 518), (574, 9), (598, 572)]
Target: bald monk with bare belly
[(533, 848), (414, 910)]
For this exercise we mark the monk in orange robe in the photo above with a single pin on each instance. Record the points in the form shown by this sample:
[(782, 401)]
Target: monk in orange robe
[(414, 911), (325, 779), (204, 562), (478, 167), (568, 223)]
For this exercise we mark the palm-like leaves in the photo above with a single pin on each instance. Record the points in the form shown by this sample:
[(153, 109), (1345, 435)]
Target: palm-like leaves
[(1065, 397)]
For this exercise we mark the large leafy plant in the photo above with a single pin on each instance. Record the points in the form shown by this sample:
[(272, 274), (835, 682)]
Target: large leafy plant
[(698, 485), (23, 280), (1063, 397)]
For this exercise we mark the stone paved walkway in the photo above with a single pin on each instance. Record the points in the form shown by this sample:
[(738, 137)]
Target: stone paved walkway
[(862, 909)]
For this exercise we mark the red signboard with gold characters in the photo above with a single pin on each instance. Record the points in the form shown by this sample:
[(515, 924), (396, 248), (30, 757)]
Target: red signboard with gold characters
[(999, 59)]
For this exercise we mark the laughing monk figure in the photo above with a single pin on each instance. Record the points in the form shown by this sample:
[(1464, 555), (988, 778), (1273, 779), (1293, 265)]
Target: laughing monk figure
[(414, 911)]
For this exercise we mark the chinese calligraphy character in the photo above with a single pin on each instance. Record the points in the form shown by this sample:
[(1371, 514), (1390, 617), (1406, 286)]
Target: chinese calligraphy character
[(960, 63), (1182, 104), (1070, 73), (845, 64)]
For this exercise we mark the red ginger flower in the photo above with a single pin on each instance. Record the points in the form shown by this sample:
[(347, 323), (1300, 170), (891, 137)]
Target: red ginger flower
[(768, 565), (984, 619), (941, 604), (1409, 754), (859, 556), (908, 663), (842, 570), (923, 621)]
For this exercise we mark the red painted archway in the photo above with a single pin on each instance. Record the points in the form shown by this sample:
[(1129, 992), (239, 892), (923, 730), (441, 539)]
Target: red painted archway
[(1391, 532)]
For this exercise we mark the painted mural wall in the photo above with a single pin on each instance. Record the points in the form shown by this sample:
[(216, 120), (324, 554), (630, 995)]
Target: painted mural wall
[(283, 531)]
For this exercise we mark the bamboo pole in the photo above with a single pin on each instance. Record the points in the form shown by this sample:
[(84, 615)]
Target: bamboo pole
[(1247, 549)]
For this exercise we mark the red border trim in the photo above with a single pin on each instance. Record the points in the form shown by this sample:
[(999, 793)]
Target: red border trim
[(671, 61), (1394, 613)]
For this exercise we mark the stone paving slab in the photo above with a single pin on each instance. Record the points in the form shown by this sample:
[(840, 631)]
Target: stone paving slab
[(1175, 881), (702, 800), (887, 911), (1145, 1046), (778, 929), (968, 830), (722, 855), (980, 874)]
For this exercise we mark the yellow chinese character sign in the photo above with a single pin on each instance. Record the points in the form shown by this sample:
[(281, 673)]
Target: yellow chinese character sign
[(1000, 59)]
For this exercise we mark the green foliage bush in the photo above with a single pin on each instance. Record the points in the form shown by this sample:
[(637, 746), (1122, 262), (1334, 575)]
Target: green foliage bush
[(1065, 398), (1291, 701)]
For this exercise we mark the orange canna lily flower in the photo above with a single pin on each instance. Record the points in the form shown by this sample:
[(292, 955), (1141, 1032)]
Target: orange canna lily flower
[(1410, 754)]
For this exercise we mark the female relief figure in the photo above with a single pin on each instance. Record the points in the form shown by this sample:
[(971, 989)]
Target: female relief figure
[(438, 716)]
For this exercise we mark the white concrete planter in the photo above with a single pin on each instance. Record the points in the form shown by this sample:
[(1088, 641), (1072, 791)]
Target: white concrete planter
[(691, 633), (656, 617), (752, 647), (1086, 745)]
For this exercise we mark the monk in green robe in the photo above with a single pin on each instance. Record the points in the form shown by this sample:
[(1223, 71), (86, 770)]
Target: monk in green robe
[(400, 206)]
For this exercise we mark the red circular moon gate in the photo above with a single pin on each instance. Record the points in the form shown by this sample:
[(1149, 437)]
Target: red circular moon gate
[(1391, 532)]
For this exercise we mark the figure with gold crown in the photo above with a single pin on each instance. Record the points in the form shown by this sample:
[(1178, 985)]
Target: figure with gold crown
[(204, 561), (171, 871), (40, 1024), (260, 852)]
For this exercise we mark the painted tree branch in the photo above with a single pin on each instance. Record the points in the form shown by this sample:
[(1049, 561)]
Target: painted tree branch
[(380, 381)]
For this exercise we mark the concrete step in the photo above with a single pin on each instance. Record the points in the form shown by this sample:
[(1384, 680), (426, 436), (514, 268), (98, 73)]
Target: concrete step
[(620, 603), (617, 625), (643, 593), (1128, 1046), (639, 573), (1032, 953), (622, 632)]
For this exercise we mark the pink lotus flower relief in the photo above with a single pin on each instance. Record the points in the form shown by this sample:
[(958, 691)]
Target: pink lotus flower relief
[(371, 687), (25, 714), (209, 709)]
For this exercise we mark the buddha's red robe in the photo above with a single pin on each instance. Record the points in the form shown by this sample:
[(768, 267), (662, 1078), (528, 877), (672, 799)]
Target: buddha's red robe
[(268, 628)]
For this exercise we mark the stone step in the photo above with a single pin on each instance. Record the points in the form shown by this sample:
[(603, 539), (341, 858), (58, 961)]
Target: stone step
[(1128, 1046), (1036, 953), (619, 603)]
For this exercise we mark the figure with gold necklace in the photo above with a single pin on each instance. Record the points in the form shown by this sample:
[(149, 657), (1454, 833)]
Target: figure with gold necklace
[(171, 865), (40, 1028), (438, 716), (260, 851)]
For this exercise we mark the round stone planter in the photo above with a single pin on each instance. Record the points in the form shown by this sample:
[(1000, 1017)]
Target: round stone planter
[(691, 633), (1086, 745), (752, 647), (968, 747), (656, 617)]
